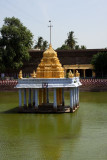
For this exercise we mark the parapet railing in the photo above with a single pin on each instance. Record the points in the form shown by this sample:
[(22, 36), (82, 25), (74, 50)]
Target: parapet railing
[(83, 81)]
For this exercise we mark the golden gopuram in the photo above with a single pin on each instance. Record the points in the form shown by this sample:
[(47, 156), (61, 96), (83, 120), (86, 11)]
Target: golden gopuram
[(50, 66), (49, 79)]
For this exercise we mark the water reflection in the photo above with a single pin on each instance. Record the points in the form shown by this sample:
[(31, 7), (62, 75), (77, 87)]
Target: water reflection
[(77, 136), (47, 134)]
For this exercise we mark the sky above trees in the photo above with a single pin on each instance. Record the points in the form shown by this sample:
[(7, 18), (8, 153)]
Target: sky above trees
[(87, 18)]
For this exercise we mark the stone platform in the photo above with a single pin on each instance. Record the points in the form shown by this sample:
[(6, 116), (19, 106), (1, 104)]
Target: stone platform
[(47, 108)]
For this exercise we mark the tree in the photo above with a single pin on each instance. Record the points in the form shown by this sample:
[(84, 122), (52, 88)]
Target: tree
[(71, 40), (83, 47), (77, 47), (45, 45), (63, 47), (70, 43), (15, 42), (41, 44), (99, 61)]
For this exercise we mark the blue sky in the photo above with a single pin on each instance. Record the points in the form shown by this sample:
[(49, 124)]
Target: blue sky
[(87, 18)]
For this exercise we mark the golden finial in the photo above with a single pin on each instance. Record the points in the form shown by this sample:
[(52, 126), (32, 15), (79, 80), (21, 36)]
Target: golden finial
[(20, 75), (70, 74), (77, 73), (33, 75)]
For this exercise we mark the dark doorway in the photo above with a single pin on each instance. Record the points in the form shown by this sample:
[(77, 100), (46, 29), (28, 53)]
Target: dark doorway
[(81, 73), (88, 73)]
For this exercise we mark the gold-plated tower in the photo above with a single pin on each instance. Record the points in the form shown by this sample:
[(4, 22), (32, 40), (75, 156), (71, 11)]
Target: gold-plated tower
[(20, 75), (50, 66)]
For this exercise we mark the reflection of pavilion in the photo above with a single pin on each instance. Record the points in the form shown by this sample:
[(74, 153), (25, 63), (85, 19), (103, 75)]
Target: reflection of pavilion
[(47, 135), (49, 75)]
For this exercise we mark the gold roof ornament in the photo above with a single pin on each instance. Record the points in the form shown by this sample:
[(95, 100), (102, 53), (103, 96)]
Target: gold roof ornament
[(77, 73), (33, 75), (70, 74), (50, 66), (20, 75)]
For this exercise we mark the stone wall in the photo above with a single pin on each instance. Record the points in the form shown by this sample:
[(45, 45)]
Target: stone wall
[(8, 85), (68, 57), (93, 85)]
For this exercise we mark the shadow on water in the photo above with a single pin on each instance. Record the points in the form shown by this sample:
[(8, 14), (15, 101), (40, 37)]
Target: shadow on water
[(11, 111), (31, 111)]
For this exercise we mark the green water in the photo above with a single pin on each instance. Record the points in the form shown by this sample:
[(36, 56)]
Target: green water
[(78, 136)]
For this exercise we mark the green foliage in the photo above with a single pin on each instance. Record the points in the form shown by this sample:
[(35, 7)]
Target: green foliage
[(45, 45), (82, 47), (77, 47), (99, 61), (63, 47), (71, 40), (41, 44), (70, 43), (15, 42)]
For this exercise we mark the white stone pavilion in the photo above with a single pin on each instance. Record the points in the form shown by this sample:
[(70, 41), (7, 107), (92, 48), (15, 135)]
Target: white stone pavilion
[(49, 77)]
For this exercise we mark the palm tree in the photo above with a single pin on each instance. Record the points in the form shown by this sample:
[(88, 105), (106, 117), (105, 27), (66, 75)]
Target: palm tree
[(77, 47), (83, 47), (44, 45), (39, 43), (71, 42)]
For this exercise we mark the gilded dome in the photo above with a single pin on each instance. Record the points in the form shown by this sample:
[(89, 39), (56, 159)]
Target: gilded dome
[(50, 52)]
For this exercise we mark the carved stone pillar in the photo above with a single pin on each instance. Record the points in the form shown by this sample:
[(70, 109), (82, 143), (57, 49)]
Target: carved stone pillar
[(36, 98), (25, 101), (55, 99), (20, 98)]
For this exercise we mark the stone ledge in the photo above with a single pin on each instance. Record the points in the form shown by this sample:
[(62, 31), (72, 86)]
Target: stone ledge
[(47, 109)]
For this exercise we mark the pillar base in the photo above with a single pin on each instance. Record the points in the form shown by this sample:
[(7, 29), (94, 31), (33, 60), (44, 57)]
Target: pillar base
[(71, 110), (47, 109), (29, 105), (63, 104), (36, 109), (20, 110), (25, 107), (55, 109), (76, 106)]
